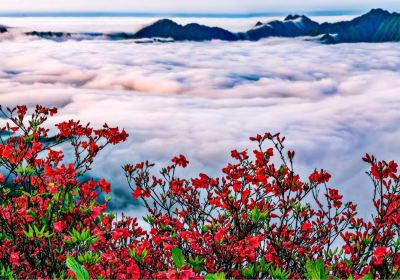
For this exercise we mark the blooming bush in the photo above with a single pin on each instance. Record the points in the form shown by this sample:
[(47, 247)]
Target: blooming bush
[(258, 220)]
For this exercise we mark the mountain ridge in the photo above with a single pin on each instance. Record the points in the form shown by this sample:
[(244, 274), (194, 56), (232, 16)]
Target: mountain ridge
[(377, 25)]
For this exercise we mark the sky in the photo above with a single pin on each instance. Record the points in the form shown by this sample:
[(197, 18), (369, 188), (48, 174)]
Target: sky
[(193, 6)]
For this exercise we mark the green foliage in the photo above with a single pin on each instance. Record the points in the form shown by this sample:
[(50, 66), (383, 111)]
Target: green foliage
[(83, 237), (257, 216), (278, 273), (138, 258), (249, 271), (196, 263), (315, 270), (178, 257), (149, 219), (68, 202), (397, 243), (80, 272), (5, 236), (89, 258), (367, 277), (329, 254), (215, 276), (263, 266), (27, 171), (36, 232), (6, 272)]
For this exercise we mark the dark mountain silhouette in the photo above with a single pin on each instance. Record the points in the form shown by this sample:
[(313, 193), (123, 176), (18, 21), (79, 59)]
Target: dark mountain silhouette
[(49, 35), (120, 36), (166, 28), (291, 26), (375, 26)]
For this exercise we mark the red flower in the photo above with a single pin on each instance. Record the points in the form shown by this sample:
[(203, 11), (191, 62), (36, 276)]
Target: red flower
[(306, 227), (104, 186), (379, 254), (138, 192), (245, 195), (186, 274), (59, 226), (180, 161), (334, 195), (21, 110), (14, 258), (258, 208), (7, 152), (219, 235), (96, 211), (319, 177), (134, 271)]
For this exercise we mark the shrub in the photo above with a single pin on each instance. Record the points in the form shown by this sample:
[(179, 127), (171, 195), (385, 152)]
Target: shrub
[(47, 213), (258, 220)]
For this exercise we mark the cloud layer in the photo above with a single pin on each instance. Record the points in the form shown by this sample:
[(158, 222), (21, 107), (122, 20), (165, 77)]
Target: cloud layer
[(334, 103)]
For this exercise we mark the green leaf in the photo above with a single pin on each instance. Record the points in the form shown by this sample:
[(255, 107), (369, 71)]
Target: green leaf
[(255, 215), (29, 233), (6, 272), (249, 271), (80, 272), (278, 273), (196, 262), (315, 270), (215, 276), (89, 258), (351, 277), (27, 194), (367, 277), (31, 213), (178, 257)]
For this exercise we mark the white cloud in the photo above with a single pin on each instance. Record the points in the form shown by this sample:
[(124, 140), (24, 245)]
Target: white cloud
[(334, 103)]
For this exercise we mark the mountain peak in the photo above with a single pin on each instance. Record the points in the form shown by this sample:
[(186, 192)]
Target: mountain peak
[(301, 18), (166, 28), (378, 11), (293, 17), (165, 22)]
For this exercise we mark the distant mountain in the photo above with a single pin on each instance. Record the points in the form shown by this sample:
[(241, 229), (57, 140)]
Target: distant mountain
[(63, 36), (291, 26), (120, 36), (49, 35), (166, 28), (375, 26)]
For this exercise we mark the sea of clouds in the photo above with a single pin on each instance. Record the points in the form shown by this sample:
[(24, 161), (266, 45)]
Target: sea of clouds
[(333, 103)]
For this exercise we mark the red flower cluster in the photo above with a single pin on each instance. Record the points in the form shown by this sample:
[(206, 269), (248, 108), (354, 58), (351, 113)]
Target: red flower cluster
[(258, 220), (48, 213)]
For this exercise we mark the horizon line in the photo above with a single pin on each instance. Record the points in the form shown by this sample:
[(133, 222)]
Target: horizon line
[(178, 14)]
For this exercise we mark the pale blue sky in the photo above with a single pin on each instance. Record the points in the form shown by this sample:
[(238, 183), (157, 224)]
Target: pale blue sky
[(193, 6)]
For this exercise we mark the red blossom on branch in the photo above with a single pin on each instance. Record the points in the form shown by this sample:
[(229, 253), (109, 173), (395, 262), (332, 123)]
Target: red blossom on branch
[(259, 219)]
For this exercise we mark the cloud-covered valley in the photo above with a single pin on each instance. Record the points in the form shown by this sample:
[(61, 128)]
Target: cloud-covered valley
[(334, 103)]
